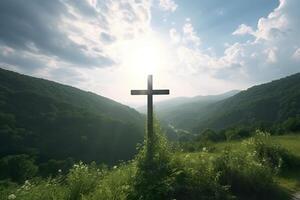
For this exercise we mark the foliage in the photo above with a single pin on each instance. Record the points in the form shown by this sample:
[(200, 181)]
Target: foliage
[(210, 135), (82, 179), (272, 105), (246, 175), (242, 173), (18, 168), (57, 124), (272, 154), (116, 184), (153, 178)]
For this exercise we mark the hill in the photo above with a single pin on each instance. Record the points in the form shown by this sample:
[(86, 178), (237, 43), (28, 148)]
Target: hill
[(269, 105), (182, 112), (52, 122), (167, 107)]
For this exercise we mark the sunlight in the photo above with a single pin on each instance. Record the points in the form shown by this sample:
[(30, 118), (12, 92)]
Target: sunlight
[(144, 56)]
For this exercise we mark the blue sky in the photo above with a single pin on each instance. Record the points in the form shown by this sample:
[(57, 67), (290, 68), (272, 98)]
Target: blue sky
[(192, 47), (214, 20)]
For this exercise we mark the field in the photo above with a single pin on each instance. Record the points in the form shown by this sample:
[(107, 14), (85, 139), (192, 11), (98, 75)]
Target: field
[(289, 179)]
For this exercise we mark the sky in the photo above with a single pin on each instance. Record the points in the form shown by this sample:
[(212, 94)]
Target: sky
[(192, 47)]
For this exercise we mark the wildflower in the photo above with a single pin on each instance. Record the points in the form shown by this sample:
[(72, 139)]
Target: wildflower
[(115, 167), (12, 196), (204, 149), (59, 171)]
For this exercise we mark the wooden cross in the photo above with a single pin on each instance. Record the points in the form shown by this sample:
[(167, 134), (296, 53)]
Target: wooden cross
[(149, 92)]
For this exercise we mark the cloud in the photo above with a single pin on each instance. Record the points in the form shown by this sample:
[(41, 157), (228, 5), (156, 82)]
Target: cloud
[(296, 55), (40, 35), (272, 53), (243, 30), (174, 36), (189, 36), (168, 5), (37, 27)]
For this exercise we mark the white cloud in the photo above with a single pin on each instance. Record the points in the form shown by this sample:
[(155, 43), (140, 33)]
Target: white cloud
[(296, 55), (112, 29), (174, 36), (190, 36), (272, 53), (243, 30), (168, 5)]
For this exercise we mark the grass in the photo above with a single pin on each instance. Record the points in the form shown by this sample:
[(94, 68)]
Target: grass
[(290, 180), (218, 171), (290, 142)]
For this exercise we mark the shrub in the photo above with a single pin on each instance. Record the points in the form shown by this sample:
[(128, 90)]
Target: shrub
[(196, 178), (82, 179), (39, 189), (245, 175), (272, 154), (153, 176), (116, 184), (18, 168)]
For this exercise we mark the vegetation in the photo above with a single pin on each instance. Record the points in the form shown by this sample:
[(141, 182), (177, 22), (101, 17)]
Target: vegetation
[(273, 106), (57, 142), (46, 126), (248, 172)]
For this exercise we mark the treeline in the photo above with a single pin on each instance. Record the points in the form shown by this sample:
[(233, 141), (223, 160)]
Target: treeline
[(194, 142)]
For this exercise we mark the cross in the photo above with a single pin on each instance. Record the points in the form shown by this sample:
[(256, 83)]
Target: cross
[(149, 92)]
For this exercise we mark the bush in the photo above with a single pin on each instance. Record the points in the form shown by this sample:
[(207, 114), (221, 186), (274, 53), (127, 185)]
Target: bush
[(245, 175), (18, 168), (82, 179), (210, 135), (196, 178), (116, 184), (154, 173), (38, 189), (272, 154)]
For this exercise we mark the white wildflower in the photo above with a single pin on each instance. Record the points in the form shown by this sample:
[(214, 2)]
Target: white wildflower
[(12, 196)]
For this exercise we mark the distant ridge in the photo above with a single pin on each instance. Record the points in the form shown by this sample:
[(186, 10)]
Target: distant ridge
[(168, 105), (262, 105)]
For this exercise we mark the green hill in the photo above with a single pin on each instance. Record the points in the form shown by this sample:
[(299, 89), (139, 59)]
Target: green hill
[(268, 105), (183, 112), (51, 122)]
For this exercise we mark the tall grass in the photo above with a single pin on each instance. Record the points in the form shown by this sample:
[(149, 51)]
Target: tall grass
[(243, 173)]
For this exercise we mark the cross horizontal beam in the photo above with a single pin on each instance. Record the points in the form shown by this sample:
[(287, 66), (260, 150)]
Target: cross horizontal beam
[(159, 92), (139, 92), (146, 92)]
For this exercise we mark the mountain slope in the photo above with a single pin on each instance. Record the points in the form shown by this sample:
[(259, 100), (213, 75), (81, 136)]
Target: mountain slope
[(267, 104), (48, 120), (264, 105), (183, 112)]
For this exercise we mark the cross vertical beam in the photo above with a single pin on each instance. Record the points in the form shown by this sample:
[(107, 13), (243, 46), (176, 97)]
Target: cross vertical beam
[(150, 108), (150, 92)]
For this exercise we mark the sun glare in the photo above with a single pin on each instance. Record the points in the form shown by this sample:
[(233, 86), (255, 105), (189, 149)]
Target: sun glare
[(145, 56)]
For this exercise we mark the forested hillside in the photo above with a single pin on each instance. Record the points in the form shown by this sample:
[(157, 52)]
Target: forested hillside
[(183, 111), (274, 106), (55, 124)]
